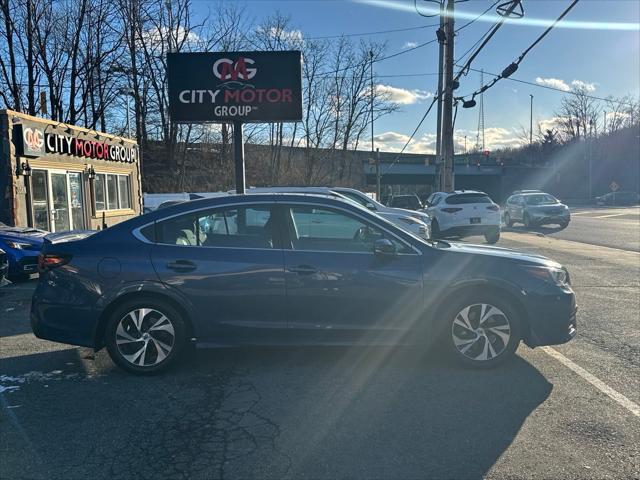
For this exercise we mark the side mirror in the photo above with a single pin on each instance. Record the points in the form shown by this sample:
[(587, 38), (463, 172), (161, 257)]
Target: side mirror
[(384, 247), (371, 206)]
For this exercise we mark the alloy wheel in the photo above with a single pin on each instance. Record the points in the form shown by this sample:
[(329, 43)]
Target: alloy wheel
[(481, 332), (145, 337)]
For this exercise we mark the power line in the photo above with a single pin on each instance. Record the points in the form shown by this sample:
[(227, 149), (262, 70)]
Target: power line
[(395, 160), (364, 34), (551, 88), (510, 69), (479, 16)]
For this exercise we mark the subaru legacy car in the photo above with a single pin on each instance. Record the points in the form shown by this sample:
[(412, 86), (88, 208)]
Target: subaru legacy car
[(22, 246), (281, 269), (534, 209)]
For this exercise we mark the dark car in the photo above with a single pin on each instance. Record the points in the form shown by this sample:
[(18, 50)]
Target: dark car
[(22, 246), (536, 209), (618, 199), (409, 202), (4, 265), (281, 269)]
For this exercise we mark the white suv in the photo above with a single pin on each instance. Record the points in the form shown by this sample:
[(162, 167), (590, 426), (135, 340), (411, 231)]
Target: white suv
[(462, 213), (414, 222)]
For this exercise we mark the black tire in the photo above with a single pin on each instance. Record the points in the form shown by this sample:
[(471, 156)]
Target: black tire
[(154, 343), (527, 221), (564, 225), (492, 237), (507, 220), (435, 229), (453, 332)]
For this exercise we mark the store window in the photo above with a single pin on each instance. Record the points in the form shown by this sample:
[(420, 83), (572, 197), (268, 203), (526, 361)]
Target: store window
[(112, 192)]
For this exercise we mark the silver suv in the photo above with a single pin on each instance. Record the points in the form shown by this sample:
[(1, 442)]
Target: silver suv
[(534, 209)]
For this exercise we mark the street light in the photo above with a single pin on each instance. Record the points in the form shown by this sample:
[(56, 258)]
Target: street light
[(129, 92)]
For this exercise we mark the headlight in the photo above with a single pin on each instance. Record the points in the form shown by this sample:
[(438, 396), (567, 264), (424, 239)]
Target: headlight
[(558, 276), (410, 221), (17, 245)]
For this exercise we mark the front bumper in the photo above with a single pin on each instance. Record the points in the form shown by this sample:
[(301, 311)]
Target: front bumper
[(23, 263), (552, 317), (544, 219)]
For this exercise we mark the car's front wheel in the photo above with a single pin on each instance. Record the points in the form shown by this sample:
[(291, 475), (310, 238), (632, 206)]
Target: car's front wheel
[(145, 336), (507, 220), (483, 331)]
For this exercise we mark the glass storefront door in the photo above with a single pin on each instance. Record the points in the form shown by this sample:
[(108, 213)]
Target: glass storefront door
[(57, 199), (40, 199), (59, 202)]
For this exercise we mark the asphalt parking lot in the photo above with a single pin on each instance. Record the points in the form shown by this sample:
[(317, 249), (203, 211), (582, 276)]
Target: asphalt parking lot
[(570, 411)]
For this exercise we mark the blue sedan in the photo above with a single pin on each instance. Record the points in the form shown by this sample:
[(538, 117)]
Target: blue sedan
[(282, 269), (22, 246)]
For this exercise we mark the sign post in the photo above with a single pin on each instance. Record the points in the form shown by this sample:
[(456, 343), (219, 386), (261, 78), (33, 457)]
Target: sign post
[(237, 88)]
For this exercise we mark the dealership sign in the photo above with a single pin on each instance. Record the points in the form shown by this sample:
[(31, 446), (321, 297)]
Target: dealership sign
[(235, 86), (37, 142)]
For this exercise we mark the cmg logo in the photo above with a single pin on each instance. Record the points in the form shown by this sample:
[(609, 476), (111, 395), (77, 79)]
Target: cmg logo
[(33, 138), (226, 69)]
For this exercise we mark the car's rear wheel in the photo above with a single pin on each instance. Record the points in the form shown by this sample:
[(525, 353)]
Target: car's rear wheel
[(493, 236), (483, 331), (145, 336), (564, 224)]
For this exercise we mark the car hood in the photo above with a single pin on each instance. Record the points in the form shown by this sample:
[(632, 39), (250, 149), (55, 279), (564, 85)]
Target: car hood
[(23, 234), (500, 252), (403, 212)]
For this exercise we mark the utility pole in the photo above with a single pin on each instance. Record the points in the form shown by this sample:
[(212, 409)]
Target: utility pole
[(447, 182), (371, 87), (378, 198), (531, 121), (441, 39)]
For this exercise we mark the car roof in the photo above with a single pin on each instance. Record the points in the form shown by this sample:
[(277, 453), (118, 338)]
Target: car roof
[(460, 192)]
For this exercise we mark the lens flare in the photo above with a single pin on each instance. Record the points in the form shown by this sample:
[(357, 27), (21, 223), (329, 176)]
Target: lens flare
[(528, 21)]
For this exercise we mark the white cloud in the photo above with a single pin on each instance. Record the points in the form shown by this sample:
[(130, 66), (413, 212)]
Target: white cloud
[(553, 82), (564, 86), (410, 45), (403, 96), (588, 87), (292, 36)]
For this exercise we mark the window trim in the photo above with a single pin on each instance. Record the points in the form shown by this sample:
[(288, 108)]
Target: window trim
[(283, 237)]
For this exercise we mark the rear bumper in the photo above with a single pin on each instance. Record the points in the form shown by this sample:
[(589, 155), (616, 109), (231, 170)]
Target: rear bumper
[(466, 230), (61, 322), (552, 318)]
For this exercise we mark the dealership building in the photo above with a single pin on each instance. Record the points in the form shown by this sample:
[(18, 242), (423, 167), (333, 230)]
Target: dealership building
[(60, 177)]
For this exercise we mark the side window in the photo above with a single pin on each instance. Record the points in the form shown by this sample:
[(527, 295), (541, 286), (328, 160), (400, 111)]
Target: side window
[(324, 229), (436, 200), (239, 227)]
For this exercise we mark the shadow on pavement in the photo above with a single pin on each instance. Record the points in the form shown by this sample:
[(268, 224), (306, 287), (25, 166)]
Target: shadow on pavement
[(267, 413)]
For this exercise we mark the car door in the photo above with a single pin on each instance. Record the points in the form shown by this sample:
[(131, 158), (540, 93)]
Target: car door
[(337, 288), (517, 210), (228, 262)]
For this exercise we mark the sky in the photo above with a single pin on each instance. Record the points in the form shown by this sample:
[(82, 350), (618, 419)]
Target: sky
[(598, 47)]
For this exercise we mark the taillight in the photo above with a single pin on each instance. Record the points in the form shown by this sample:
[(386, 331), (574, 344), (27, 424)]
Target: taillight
[(493, 208), (47, 261), (451, 210)]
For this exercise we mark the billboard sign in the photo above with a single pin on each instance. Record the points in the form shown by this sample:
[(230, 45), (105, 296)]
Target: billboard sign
[(235, 86)]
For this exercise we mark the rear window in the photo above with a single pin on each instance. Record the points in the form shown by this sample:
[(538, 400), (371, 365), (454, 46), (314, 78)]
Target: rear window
[(467, 198)]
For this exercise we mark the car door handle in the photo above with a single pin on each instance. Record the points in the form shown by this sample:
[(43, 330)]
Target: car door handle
[(181, 266), (303, 270)]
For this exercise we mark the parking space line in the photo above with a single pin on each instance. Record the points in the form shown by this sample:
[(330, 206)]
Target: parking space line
[(612, 215), (595, 381)]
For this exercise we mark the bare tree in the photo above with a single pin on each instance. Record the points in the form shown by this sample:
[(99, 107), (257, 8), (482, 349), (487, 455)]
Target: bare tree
[(579, 114)]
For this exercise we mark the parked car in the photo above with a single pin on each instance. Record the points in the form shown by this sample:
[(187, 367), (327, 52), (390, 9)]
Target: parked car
[(463, 213), (417, 223), (291, 269), (22, 246), (533, 209), (618, 198), (409, 202), (4, 265)]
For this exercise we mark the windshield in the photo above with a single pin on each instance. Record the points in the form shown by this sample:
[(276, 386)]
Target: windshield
[(541, 199)]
